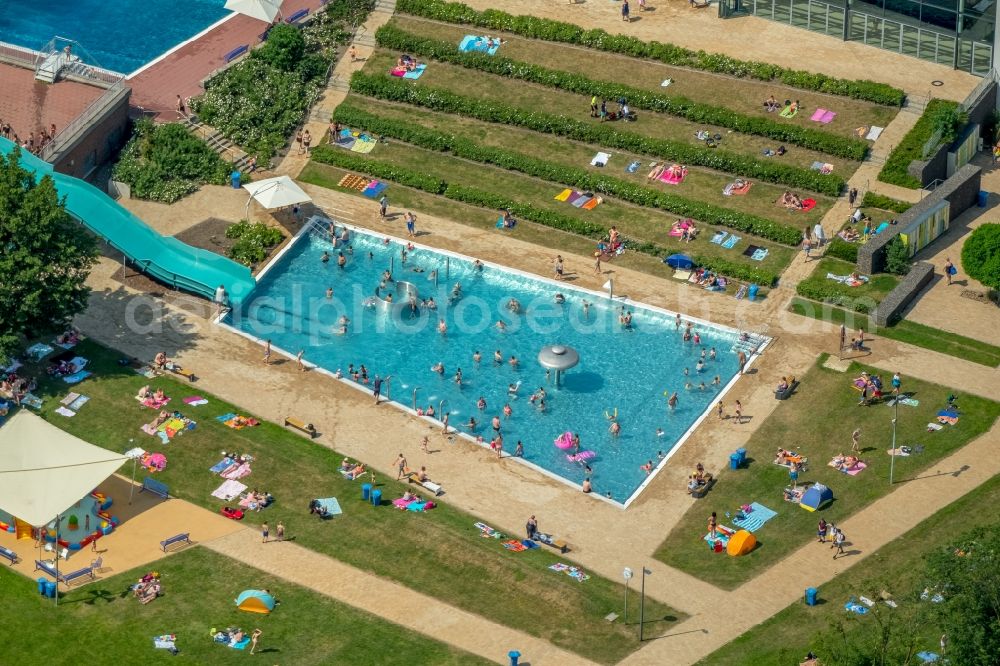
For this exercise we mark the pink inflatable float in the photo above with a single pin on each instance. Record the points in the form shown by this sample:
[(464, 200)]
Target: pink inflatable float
[(581, 456), (564, 441)]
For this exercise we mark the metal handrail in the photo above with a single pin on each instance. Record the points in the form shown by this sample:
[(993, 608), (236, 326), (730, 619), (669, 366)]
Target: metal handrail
[(74, 126), (18, 54)]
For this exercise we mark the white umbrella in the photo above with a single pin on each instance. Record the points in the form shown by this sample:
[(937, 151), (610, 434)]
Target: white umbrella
[(264, 10), (276, 192)]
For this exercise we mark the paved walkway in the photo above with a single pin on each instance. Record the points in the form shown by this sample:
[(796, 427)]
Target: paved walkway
[(389, 600)]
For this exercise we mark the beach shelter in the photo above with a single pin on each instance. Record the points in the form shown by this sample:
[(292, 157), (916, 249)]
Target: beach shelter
[(741, 543), (681, 261), (263, 10), (255, 601), (816, 497), (275, 193)]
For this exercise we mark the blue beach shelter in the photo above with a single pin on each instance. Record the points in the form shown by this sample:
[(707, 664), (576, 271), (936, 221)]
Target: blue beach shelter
[(681, 261), (816, 497)]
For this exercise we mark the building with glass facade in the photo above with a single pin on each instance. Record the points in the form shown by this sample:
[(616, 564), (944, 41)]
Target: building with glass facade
[(956, 33)]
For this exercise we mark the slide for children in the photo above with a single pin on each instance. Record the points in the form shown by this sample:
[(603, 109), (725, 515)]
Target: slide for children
[(164, 257)]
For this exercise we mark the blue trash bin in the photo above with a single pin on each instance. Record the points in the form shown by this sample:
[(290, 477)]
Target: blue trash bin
[(983, 198), (514, 656), (366, 491), (743, 456), (50, 589), (810, 596), (377, 497), (41, 586), (752, 291), (734, 461), (235, 178)]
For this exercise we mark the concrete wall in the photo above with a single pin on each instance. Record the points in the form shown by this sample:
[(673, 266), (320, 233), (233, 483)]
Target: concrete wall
[(97, 141), (933, 168), (960, 191), (896, 301)]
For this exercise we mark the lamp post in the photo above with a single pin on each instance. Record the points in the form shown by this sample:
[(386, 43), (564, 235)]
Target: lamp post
[(627, 574), (131, 488), (642, 600), (892, 458)]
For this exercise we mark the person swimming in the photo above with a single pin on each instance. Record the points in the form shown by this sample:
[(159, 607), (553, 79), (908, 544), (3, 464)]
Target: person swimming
[(481, 404), (476, 357), (497, 357), (500, 325), (326, 257), (560, 299), (512, 389), (458, 376), (438, 368)]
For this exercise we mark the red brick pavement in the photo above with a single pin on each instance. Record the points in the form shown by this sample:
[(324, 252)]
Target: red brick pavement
[(180, 73), (30, 105)]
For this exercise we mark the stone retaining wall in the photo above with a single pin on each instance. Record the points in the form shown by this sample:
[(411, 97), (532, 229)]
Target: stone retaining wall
[(896, 301)]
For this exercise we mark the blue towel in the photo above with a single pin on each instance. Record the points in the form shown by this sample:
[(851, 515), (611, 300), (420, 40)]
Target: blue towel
[(731, 242), (578, 202), (76, 377), (374, 189), (754, 520), (759, 255), (929, 657), (719, 237), (225, 417), (415, 74), (477, 43), (242, 644), (632, 167), (331, 505), (221, 465), (416, 506)]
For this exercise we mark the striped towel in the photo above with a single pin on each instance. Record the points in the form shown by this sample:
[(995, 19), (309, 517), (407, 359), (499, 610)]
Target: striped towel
[(755, 519)]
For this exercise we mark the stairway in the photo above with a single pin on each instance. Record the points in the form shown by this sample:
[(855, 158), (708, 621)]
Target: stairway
[(217, 142), (48, 69)]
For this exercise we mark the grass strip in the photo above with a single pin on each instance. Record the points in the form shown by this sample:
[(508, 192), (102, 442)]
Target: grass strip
[(863, 298), (392, 37), (558, 31), (382, 86)]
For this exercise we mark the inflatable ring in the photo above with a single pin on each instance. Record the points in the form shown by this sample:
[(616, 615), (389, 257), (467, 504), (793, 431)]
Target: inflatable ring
[(611, 417)]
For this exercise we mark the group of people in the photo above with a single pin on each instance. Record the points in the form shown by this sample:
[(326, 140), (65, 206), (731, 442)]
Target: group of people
[(790, 200), (686, 229), (600, 110), (15, 387), (32, 143), (698, 480), (147, 588), (674, 171)]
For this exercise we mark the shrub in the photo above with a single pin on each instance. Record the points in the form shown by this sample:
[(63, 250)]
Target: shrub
[(895, 170), (476, 197), (841, 249), (254, 241), (387, 88), (897, 257), (981, 255), (875, 200), (571, 176), (284, 48), (165, 163), (557, 31), (391, 37)]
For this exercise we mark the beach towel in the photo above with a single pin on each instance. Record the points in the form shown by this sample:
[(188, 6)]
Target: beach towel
[(719, 237), (419, 506), (488, 532), (722, 534), (62, 411), (566, 194), (904, 400), (331, 505), (514, 545), (152, 402), (346, 142), (478, 43), (241, 645), (817, 115), (374, 189), (165, 642), (633, 166), (221, 465), (363, 146), (753, 520), (874, 133), (929, 657), (195, 401), (600, 159), (671, 179), (857, 469), (78, 402), (824, 168), (592, 204), (579, 202), (240, 472), (680, 274), (76, 377), (146, 372), (808, 205), (38, 351), (666, 82), (751, 249), (848, 280), (416, 73), (228, 490), (731, 242), (760, 254), (788, 112), (572, 572), (828, 117), (31, 400), (401, 503)]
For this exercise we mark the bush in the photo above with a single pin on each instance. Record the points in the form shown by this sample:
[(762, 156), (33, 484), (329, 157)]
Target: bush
[(981, 255), (284, 48), (254, 241), (391, 37), (895, 170), (165, 163), (841, 249), (476, 197), (384, 87), (897, 257), (557, 31), (874, 200), (570, 176)]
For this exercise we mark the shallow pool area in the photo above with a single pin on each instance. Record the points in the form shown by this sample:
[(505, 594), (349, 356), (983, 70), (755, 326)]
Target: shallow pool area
[(624, 374), (121, 36)]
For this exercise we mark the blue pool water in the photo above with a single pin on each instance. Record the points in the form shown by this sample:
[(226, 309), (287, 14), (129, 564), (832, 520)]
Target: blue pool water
[(121, 35), (621, 370)]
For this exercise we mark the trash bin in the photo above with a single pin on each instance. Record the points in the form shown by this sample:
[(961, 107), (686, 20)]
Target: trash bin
[(752, 291), (514, 656), (41, 586), (734, 461), (235, 178), (743, 456), (984, 197), (377, 497), (50, 589), (810, 596), (366, 491)]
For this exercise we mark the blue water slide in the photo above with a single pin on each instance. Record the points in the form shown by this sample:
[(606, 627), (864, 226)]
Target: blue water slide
[(163, 257)]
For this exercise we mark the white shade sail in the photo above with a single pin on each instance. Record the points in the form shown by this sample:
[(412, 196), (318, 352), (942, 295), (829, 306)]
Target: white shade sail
[(264, 10), (276, 192), (45, 470)]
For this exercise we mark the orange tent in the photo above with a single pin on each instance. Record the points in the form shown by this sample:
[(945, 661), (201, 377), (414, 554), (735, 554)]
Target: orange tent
[(741, 543)]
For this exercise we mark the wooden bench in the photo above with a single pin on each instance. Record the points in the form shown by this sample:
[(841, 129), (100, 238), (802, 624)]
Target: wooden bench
[(9, 554), (235, 53), (178, 370), (157, 488), (301, 14), (552, 542), (298, 424), (61, 577), (177, 538)]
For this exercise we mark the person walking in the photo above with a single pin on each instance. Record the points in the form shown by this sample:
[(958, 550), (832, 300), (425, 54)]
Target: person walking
[(838, 543), (807, 248), (264, 532), (353, 52), (949, 269), (856, 440), (597, 263), (793, 474), (852, 196), (739, 412), (254, 637), (593, 107), (411, 224), (625, 16), (400, 466), (819, 234), (267, 353), (383, 206), (181, 109), (298, 361), (306, 141), (298, 140), (221, 298), (279, 531), (821, 530), (377, 387), (531, 527), (742, 359), (897, 383)]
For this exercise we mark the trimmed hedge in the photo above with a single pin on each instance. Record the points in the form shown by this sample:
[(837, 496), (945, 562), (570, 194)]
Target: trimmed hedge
[(391, 37), (571, 176), (841, 249), (385, 87), (829, 292), (874, 200), (567, 33), (476, 197), (895, 170)]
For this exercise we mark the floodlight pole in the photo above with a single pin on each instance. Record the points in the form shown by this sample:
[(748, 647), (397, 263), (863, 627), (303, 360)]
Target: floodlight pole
[(55, 550), (892, 458)]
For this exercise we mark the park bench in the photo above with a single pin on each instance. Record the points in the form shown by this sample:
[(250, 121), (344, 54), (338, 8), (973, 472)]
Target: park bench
[(235, 53), (784, 395), (301, 14), (157, 488), (298, 424), (9, 554), (178, 370), (177, 538), (61, 577), (549, 540)]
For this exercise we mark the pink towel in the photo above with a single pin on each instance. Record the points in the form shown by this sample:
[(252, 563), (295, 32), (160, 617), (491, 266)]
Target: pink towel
[(818, 115), (827, 117), (673, 180), (854, 471), (229, 470), (238, 473)]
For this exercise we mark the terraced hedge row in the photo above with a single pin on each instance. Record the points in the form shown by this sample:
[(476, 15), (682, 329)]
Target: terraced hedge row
[(578, 178), (470, 195), (397, 90), (391, 37), (567, 33)]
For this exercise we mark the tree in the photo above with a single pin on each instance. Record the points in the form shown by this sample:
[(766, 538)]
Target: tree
[(45, 257), (981, 255), (284, 47), (897, 257)]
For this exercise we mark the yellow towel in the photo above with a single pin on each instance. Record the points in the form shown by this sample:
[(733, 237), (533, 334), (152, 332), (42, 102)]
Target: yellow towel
[(564, 195)]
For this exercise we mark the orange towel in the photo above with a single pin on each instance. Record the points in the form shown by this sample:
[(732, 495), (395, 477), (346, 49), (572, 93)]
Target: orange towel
[(592, 204)]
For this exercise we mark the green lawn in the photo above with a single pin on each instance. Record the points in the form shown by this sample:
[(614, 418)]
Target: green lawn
[(786, 637), (534, 97), (872, 293), (818, 421), (700, 184), (741, 95), (103, 620), (439, 553), (634, 222), (906, 331)]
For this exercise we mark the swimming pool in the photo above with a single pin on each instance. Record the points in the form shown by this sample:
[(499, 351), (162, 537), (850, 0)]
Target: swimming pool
[(623, 371), (122, 35)]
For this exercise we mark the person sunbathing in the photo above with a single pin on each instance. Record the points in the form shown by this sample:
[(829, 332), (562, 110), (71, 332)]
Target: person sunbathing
[(675, 171), (143, 393), (160, 360), (790, 200), (688, 234), (150, 592), (357, 471), (409, 497), (850, 235), (700, 475), (159, 396), (346, 465), (771, 104), (656, 172)]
